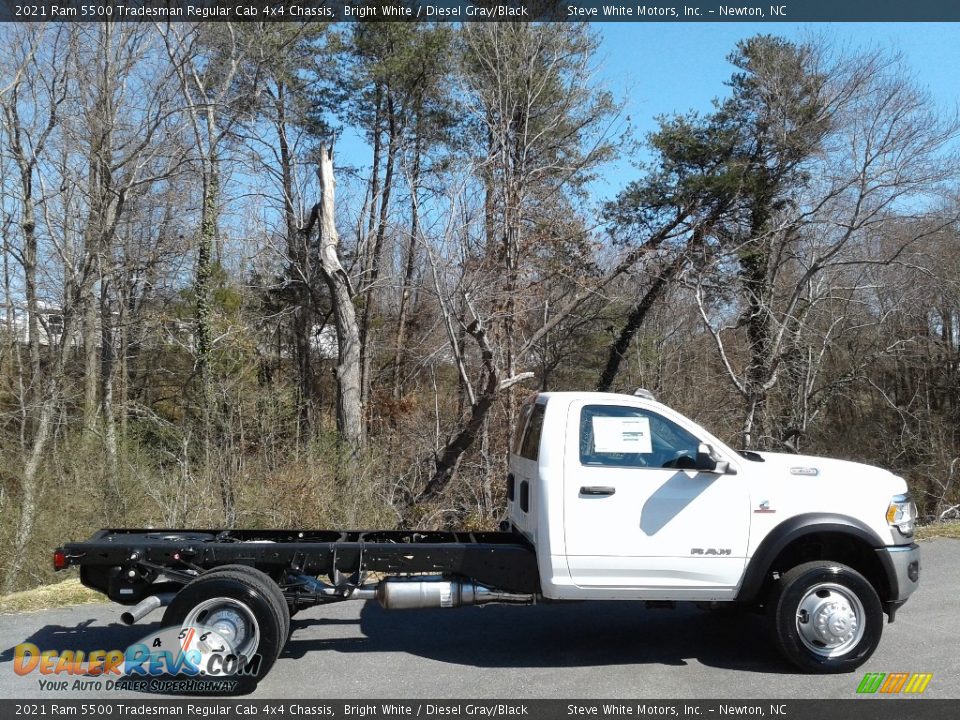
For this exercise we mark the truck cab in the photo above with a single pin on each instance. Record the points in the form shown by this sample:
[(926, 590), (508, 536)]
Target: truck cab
[(624, 498)]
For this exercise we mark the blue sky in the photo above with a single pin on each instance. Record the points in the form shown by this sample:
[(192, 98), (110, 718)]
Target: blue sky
[(664, 68), (656, 68)]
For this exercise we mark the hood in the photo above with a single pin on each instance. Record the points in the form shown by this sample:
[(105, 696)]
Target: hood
[(812, 468)]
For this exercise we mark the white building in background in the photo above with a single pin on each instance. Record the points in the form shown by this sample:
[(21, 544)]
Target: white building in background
[(49, 323)]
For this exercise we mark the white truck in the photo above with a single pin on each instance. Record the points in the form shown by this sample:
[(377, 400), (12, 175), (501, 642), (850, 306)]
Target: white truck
[(610, 497)]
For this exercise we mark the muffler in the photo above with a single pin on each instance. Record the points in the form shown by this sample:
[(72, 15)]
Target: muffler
[(438, 592), (145, 607)]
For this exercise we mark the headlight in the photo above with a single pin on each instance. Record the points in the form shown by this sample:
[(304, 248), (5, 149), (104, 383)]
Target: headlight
[(902, 514)]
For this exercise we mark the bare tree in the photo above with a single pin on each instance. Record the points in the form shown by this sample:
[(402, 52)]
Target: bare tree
[(349, 404), (543, 126), (207, 63), (874, 146), (31, 102)]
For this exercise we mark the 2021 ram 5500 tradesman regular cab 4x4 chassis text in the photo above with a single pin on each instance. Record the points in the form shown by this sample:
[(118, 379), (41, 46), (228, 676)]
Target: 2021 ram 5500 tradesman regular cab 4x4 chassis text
[(610, 497)]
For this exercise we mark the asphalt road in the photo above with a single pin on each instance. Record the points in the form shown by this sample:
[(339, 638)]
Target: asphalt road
[(576, 650)]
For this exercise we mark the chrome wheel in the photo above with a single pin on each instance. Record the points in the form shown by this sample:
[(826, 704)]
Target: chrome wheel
[(226, 626), (830, 620), (233, 621)]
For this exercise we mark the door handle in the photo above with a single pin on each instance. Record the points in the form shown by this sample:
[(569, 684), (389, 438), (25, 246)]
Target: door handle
[(597, 490)]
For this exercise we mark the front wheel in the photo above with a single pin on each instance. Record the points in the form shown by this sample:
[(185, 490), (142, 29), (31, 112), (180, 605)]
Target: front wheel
[(826, 617)]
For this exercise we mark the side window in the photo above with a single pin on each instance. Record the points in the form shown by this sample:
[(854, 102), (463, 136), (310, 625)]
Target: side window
[(530, 448), (617, 436), (517, 441)]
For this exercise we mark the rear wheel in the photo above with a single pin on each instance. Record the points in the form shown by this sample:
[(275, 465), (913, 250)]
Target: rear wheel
[(826, 617), (237, 609)]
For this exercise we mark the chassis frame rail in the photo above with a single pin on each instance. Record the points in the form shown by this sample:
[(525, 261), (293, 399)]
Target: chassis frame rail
[(129, 564)]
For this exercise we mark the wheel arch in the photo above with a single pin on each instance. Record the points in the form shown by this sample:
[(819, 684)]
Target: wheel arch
[(818, 536)]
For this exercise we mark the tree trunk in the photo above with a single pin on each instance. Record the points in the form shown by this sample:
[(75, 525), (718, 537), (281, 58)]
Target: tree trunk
[(31, 480), (634, 321), (203, 288), (448, 459), (123, 350), (90, 366), (299, 273), (349, 405), (107, 363), (30, 495), (30, 284), (754, 266), (11, 336), (409, 270), (376, 251)]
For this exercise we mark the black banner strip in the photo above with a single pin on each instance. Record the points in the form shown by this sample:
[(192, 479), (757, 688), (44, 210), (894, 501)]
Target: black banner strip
[(480, 11), (872, 708)]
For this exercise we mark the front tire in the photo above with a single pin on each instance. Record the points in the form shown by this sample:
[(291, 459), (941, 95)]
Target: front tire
[(825, 617)]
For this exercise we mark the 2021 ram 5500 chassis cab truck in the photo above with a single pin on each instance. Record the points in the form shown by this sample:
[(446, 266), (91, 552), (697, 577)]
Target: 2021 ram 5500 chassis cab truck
[(610, 497)]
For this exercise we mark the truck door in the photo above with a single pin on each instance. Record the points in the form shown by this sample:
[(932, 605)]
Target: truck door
[(635, 514)]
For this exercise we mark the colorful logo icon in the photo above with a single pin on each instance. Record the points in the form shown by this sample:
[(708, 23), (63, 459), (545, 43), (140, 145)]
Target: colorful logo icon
[(894, 683)]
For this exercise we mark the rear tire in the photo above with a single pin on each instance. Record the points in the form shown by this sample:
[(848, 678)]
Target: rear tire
[(825, 617), (244, 605)]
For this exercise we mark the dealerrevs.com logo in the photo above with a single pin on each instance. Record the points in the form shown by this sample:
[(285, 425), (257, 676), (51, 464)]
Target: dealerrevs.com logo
[(192, 659), (899, 683)]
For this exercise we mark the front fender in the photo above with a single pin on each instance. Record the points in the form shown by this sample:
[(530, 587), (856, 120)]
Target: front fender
[(789, 531)]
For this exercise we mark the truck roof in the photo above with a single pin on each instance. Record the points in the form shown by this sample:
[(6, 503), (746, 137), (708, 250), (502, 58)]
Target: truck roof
[(592, 395)]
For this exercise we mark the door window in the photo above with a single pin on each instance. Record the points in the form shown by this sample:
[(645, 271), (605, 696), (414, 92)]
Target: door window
[(616, 436)]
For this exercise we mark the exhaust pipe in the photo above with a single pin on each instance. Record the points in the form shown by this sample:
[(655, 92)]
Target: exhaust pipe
[(364, 592), (145, 607), (334, 592), (437, 592), (401, 593)]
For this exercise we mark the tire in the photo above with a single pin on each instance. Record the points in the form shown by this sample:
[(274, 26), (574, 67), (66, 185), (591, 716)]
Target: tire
[(825, 617), (269, 588), (244, 599)]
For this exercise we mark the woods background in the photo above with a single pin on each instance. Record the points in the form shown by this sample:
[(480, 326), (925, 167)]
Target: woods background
[(208, 319)]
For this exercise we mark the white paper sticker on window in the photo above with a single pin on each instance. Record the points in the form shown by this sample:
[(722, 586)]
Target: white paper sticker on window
[(621, 435)]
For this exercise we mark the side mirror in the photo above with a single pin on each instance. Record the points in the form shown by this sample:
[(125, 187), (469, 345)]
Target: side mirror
[(707, 461)]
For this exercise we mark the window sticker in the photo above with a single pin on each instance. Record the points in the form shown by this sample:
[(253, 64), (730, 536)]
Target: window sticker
[(621, 435)]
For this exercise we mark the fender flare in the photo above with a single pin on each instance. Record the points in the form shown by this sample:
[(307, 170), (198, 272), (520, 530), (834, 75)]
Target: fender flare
[(800, 526)]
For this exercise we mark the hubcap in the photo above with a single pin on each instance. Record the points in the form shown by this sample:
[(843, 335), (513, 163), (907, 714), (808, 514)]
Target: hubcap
[(224, 626), (229, 624), (830, 619)]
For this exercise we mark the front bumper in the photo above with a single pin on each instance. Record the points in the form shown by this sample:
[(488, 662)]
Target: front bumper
[(902, 566)]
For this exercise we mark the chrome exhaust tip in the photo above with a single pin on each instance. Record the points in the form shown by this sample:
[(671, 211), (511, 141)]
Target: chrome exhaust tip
[(146, 606)]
